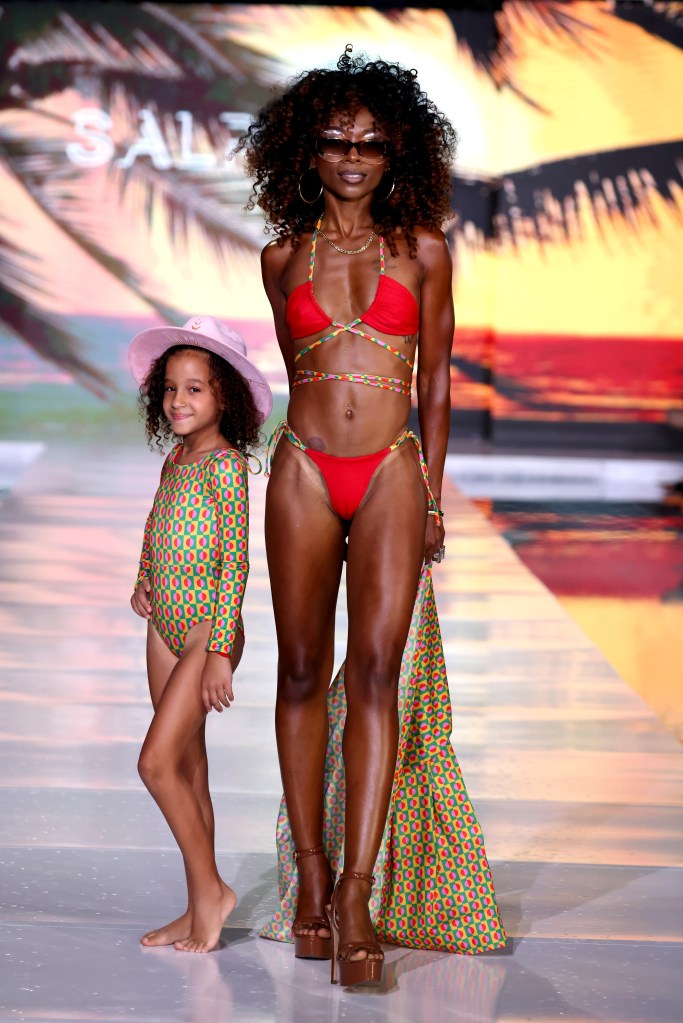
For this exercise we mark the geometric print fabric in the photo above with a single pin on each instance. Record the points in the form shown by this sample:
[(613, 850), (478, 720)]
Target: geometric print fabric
[(195, 548), (433, 887)]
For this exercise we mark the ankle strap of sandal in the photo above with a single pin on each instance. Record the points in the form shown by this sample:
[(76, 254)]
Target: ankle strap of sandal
[(301, 854), (346, 874)]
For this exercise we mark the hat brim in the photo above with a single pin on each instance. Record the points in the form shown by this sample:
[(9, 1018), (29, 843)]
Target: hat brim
[(149, 344)]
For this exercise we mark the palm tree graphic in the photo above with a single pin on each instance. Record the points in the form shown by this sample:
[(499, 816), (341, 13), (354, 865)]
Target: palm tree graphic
[(147, 62)]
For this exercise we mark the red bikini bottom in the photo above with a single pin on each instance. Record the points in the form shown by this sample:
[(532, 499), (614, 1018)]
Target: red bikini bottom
[(347, 479)]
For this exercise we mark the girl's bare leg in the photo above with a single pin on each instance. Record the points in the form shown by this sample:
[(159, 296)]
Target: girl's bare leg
[(164, 767), (160, 663), (195, 767), (386, 547), (305, 546)]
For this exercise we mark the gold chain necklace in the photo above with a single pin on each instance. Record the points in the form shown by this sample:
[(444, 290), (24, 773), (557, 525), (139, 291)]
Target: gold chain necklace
[(346, 252)]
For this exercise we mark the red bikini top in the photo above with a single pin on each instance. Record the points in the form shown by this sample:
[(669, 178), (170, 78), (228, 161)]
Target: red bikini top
[(394, 309)]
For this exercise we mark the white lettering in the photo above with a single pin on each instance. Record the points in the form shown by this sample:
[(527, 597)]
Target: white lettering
[(95, 148), (91, 124), (235, 120), (188, 159), (149, 143)]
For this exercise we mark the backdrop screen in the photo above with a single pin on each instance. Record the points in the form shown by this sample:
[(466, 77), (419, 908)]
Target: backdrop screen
[(122, 209)]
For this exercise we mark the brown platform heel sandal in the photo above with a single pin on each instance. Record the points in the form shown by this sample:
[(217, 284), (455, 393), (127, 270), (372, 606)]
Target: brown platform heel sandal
[(307, 943), (353, 971)]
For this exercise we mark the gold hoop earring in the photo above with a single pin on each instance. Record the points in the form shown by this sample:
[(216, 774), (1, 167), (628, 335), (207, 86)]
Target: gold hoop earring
[(310, 202), (389, 193)]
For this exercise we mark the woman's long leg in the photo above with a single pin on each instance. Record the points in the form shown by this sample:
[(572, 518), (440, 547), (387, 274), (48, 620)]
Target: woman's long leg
[(179, 715), (305, 545), (386, 545)]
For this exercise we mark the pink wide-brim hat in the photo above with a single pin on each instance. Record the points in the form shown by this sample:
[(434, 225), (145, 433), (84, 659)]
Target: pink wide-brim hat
[(213, 336)]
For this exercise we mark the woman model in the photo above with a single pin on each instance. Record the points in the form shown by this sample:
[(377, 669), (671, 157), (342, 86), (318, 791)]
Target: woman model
[(352, 168)]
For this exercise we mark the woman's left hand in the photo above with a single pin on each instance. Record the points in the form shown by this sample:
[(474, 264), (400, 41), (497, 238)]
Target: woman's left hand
[(434, 538)]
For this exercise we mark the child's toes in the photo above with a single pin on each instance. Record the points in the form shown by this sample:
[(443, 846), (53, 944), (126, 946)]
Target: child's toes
[(186, 945)]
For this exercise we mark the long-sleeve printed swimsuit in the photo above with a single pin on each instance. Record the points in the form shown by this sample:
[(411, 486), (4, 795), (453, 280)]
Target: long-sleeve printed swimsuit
[(195, 548)]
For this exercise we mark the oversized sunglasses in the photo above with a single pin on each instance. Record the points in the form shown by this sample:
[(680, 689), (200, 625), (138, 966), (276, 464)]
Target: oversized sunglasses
[(334, 150)]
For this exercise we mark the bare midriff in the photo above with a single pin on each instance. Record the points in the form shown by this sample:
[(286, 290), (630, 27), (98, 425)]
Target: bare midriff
[(318, 413), (351, 390)]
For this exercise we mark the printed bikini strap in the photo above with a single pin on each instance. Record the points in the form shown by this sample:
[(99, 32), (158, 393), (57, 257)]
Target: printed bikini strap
[(310, 376), (282, 429), (409, 435)]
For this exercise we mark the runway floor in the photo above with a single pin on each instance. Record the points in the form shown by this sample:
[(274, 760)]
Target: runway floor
[(577, 787)]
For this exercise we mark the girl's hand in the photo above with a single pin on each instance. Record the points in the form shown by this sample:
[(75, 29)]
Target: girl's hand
[(141, 601), (434, 537), (216, 683)]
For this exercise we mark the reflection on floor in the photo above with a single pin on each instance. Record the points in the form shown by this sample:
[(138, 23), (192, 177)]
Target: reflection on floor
[(617, 568), (577, 786)]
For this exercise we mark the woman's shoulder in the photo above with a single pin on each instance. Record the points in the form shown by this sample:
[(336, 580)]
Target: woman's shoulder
[(280, 260), (432, 247), (430, 241), (276, 253), (429, 238)]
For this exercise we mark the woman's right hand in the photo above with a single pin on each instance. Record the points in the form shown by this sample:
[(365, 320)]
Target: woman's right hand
[(141, 601), (435, 535)]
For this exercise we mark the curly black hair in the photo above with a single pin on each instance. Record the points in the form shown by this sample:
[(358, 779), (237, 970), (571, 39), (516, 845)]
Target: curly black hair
[(279, 144), (239, 422)]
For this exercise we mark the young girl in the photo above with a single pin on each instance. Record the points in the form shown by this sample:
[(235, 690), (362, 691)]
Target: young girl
[(196, 385)]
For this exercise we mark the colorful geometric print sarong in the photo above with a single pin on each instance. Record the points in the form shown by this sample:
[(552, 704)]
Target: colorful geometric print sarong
[(433, 887)]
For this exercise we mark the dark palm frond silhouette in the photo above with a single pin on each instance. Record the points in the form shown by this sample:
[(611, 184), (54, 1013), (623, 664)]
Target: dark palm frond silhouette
[(484, 29), (208, 200), (534, 201), (134, 56), (664, 20), (542, 203), (39, 165), (20, 314), (618, 179)]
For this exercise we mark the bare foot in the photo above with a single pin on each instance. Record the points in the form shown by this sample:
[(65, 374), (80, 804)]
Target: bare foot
[(208, 918), (175, 931)]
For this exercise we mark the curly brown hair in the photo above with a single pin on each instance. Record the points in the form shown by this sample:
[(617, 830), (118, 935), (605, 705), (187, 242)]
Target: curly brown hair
[(279, 144), (239, 422)]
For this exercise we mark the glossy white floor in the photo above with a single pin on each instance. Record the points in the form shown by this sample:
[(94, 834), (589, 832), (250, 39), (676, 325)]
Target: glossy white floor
[(577, 787)]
